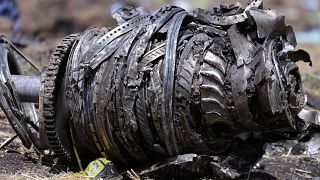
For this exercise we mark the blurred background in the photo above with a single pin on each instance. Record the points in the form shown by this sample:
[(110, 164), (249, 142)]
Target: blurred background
[(41, 23)]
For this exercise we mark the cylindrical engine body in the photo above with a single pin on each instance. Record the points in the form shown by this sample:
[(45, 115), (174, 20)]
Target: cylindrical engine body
[(27, 87), (169, 82)]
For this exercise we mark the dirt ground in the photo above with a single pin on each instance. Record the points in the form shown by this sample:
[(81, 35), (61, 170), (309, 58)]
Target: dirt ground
[(16, 161)]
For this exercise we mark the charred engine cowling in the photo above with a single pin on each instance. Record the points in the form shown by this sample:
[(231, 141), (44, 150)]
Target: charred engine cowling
[(168, 82), (165, 82)]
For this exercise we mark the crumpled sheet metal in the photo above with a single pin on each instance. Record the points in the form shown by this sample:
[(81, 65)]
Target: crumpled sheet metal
[(190, 165), (308, 147), (236, 17), (267, 21), (313, 145), (164, 82), (311, 118), (238, 41)]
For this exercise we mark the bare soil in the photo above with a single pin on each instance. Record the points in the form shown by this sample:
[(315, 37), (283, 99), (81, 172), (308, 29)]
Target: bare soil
[(17, 162)]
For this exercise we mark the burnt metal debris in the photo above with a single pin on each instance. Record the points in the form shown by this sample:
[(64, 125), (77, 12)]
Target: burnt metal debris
[(194, 93)]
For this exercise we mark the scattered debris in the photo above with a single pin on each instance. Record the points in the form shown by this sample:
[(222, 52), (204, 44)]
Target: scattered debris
[(99, 168), (8, 141)]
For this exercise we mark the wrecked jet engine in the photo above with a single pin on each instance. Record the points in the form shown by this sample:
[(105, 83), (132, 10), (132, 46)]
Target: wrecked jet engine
[(164, 83)]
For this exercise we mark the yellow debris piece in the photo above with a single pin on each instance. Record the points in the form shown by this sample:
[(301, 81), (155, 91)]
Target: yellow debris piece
[(100, 167)]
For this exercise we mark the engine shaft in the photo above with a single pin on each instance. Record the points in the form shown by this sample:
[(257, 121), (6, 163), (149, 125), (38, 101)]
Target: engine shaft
[(27, 87)]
